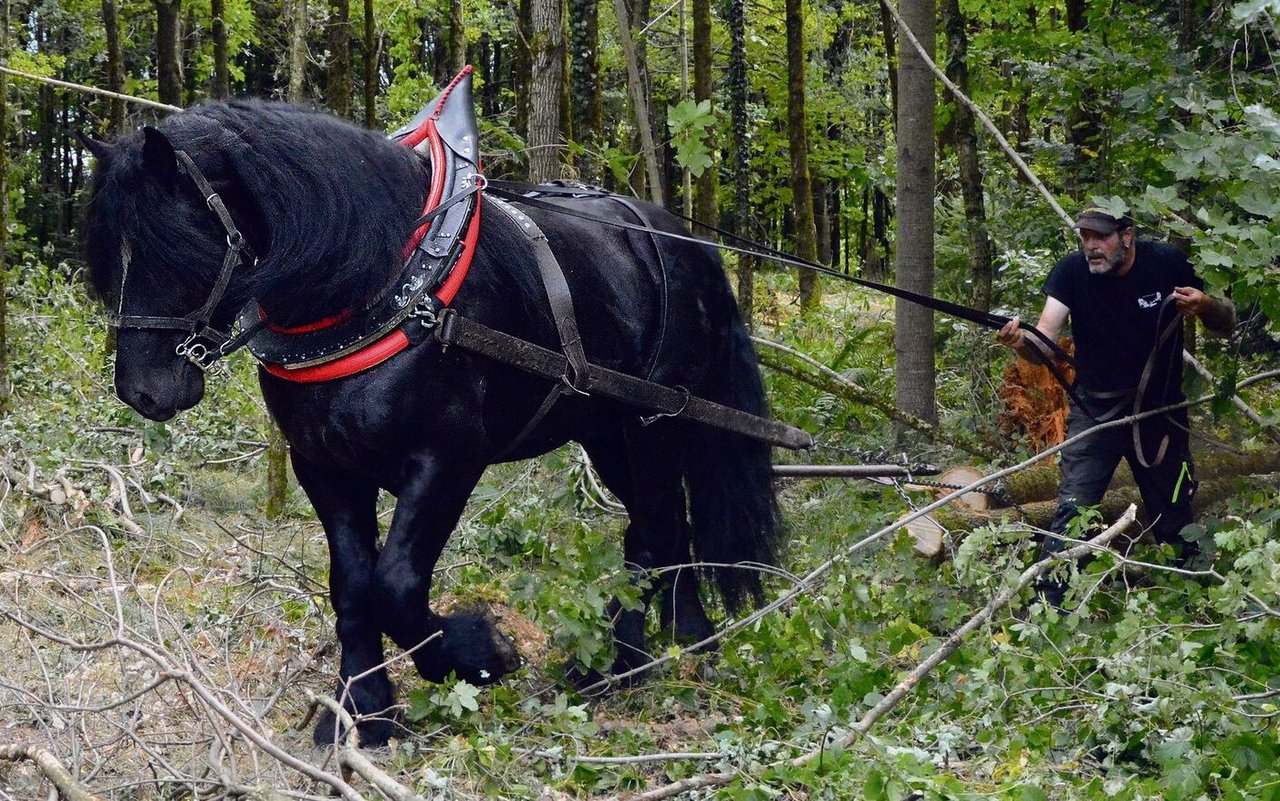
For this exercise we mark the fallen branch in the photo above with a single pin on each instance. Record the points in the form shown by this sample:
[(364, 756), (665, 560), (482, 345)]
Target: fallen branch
[(952, 643), (636, 759), (53, 770), (349, 755), (912, 679)]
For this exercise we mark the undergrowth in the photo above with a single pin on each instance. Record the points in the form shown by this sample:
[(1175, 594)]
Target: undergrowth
[(1154, 684)]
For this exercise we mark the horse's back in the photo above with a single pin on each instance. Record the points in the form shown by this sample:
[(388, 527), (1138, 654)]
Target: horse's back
[(643, 302)]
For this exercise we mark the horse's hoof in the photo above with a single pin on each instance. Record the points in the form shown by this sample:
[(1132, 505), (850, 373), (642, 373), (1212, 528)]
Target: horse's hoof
[(373, 733), (472, 648)]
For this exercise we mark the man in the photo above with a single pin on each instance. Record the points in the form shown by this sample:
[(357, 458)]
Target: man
[(1126, 300)]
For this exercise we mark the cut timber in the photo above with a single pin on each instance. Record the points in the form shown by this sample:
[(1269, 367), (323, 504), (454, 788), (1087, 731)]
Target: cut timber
[(963, 477), (929, 535), (1040, 513)]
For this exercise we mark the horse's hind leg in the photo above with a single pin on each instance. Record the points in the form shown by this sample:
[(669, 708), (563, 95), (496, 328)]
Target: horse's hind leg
[(346, 508), (643, 468)]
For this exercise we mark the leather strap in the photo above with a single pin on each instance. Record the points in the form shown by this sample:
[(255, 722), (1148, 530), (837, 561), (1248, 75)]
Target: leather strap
[(663, 401), (558, 295)]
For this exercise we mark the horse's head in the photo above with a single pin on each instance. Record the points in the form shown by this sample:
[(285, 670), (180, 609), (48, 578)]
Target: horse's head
[(156, 250)]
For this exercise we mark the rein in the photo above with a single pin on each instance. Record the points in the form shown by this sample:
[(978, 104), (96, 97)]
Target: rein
[(519, 192)]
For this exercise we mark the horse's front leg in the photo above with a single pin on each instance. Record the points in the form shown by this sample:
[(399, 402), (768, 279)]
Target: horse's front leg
[(432, 495), (346, 507)]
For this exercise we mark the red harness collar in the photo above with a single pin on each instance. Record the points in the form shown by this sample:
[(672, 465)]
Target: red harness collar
[(392, 343)]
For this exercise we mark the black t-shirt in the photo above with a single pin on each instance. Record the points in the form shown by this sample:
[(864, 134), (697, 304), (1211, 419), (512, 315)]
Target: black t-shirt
[(1115, 321)]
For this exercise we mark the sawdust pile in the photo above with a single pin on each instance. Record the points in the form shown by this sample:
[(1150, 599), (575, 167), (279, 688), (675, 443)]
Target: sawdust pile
[(1035, 404)]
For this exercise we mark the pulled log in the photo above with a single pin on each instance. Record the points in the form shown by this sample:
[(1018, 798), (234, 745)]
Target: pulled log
[(930, 535)]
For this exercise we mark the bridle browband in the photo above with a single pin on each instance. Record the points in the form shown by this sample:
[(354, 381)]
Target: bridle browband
[(204, 345)]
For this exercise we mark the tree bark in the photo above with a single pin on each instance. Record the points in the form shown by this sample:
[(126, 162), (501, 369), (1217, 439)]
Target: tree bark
[(221, 72), (1084, 131), (798, 136), (704, 207), (168, 50), (915, 376), (370, 68), (338, 69), (965, 138), (584, 81), (457, 38), (115, 67), (297, 21), (546, 88), (738, 91), (639, 102)]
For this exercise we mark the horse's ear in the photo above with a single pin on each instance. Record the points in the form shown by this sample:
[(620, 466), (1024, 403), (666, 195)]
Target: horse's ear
[(99, 148), (158, 155)]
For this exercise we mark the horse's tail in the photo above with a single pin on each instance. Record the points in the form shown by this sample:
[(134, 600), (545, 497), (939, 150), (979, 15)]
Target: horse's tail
[(732, 506)]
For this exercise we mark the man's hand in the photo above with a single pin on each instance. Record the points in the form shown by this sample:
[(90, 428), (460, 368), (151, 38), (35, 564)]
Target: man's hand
[(1191, 301), (1219, 316), (1011, 336)]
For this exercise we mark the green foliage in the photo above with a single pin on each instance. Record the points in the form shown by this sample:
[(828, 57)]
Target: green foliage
[(1154, 684), (689, 122)]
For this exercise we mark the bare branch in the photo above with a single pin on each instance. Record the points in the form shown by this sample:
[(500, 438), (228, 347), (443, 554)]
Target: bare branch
[(52, 769)]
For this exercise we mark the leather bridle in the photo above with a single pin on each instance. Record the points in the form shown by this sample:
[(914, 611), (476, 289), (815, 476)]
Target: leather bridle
[(204, 345)]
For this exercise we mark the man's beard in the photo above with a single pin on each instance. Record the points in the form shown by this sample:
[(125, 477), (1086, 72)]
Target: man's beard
[(1104, 265)]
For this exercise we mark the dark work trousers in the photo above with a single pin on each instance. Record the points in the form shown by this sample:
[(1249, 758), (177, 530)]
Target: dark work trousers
[(1088, 465)]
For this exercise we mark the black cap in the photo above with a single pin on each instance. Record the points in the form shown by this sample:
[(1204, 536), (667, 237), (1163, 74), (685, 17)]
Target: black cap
[(1094, 219)]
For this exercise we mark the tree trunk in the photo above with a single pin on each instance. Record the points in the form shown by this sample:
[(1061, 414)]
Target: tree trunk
[(6, 380), (1084, 130), (457, 38), (890, 56), (370, 68), (221, 71), (965, 138), (338, 70), (913, 330), (584, 85), (705, 197), (297, 21), (798, 136), (738, 91), (168, 50), (115, 67), (277, 454), (521, 77), (545, 89), (277, 470), (639, 102)]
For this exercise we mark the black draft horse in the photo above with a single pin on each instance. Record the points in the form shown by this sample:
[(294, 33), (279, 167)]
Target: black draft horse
[(327, 208)]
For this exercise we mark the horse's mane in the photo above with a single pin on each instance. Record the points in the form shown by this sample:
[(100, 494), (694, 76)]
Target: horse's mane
[(330, 204)]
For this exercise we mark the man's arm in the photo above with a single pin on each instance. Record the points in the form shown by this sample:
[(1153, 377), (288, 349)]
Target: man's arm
[(1217, 314), (1029, 347)]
